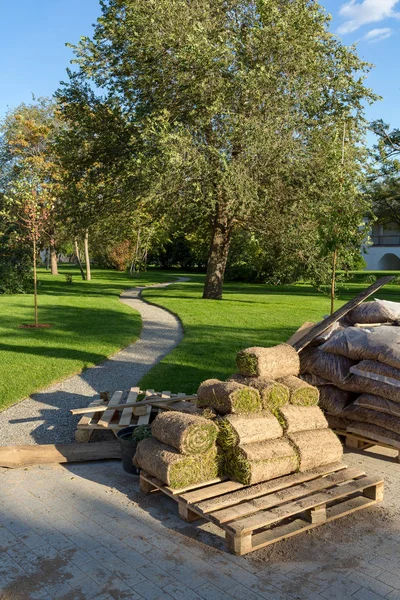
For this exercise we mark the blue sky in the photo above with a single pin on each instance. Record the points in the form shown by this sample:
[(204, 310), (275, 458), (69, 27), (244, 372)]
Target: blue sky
[(33, 56)]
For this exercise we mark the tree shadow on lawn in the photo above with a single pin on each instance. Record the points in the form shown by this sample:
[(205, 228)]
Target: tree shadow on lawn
[(74, 324), (108, 283)]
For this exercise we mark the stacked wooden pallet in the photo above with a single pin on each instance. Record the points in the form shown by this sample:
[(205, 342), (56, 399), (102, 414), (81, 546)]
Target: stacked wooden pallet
[(258, 515), (111, 412)]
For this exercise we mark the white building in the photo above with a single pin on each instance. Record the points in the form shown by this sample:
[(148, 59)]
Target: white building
[(384, 254)]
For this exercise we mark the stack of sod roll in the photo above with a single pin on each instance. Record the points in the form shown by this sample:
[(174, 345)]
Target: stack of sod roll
[(269, 424), (182, 450)]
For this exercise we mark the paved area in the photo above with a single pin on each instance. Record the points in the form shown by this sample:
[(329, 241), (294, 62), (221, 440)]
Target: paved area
[(85, 532), (44, 418)]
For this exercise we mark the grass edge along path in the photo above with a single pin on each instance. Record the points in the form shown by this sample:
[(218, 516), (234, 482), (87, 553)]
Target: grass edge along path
[(248, 315), (89, 324)]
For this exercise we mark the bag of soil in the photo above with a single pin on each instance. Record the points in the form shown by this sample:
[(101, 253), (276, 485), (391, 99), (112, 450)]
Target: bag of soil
[(364, 385), (365, 415), (381, 344), (332, 399), (331, 367), (379, 404), (375, 311), (375, 433), (378, 371)]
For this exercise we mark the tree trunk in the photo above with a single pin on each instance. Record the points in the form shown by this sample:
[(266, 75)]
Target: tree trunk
[(35, 302), (135, 258), (47, 259), (53, 259), (217, 257), (333, 281), (78, 259), (87, 258)]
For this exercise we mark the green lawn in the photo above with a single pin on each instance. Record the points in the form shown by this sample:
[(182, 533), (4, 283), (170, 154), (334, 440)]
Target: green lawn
[(88, 321), (249, 315)]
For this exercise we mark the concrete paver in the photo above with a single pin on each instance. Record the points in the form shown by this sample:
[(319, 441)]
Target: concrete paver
[(85, 532)]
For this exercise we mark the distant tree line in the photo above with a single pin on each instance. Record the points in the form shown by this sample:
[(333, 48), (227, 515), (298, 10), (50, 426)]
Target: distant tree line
[(228, 136)]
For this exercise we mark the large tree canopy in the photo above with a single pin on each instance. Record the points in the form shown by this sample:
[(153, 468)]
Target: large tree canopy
[(236, 103)]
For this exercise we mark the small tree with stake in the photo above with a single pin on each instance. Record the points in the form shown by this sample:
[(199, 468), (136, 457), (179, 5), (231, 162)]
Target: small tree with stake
[(28, 205)]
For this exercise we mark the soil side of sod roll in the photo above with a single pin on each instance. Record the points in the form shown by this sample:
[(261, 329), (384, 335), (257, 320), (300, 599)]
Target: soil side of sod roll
[(273, 394), (190, 434), (175, 469), (271, 363), (237, 430), (316, 448), (253, 463), (301, 418), (301, 392), (228, 397)]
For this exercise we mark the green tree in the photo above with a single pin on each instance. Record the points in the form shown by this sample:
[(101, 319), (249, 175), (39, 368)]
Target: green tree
[(226, 96), (95, 150), (28, 142), (384, 182)]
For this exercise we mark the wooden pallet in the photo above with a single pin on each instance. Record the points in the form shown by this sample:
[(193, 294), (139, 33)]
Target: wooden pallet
[(258, 515), (356, 441), (118, 419)]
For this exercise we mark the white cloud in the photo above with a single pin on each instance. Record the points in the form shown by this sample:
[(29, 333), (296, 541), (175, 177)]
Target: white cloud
[(358, 14), (377, 35)]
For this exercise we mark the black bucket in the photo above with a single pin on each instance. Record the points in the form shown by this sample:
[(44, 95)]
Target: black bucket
[(128, 449)]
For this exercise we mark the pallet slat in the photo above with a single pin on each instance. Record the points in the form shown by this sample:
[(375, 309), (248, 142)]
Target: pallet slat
[(212, 491), (175, 492), (130, 411), (261, 489), (355, 439), (107, 415), (282, 532), (283, 496), (126, 415), (263, 519)]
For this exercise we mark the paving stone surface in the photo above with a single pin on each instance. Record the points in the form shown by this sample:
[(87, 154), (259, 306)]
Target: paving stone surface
[(85, 532)]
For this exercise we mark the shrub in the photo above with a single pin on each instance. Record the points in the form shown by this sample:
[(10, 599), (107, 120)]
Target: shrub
[(142, 432), (15, 270)]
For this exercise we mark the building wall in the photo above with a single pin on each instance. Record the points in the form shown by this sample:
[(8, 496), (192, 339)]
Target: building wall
[(383, 258)]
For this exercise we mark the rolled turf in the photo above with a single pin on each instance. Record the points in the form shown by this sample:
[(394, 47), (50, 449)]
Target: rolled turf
[(228, 397), (175, 469), (253, 463), (301, 418), (271, 363), (273, 394), (247, 429), (190, 434), (316, 448), (301, 392)]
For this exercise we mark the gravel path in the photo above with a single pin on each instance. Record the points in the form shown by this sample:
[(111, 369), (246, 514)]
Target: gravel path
[(44, 418)]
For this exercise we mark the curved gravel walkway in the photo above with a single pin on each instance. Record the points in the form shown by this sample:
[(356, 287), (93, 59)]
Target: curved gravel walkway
[(44, 418)]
